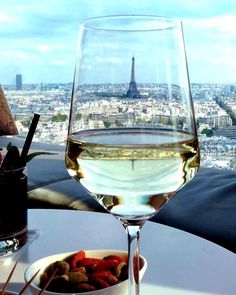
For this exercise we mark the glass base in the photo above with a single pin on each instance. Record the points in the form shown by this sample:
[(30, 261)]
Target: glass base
[(12, 244)]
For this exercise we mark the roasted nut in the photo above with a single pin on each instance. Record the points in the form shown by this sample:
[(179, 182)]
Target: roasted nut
[(100, 283), (88, 262), (105, 265), (81, 269), (118, 268), (58, 284), (77, 277), (65, 277), (84, 287), (100, 275), (62, 268), (43, 279), (112, 280), (77, 257), (113, 257)]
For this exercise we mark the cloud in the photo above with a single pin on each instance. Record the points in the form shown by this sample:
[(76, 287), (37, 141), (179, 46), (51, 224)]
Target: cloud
[(21, 55), (5, 18), (223, 24), (42, 48), (110, 60), (37, 37), (14, 54), (211, 46), (59, 62)]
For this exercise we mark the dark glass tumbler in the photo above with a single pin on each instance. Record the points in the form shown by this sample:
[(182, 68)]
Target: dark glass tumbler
[(13, 210)]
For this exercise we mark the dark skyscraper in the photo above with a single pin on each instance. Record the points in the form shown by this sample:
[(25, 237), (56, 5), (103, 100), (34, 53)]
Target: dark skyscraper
[(133, 92), (18, 82)]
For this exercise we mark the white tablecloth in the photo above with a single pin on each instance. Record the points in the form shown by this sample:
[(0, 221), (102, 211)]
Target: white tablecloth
[(178, 262)]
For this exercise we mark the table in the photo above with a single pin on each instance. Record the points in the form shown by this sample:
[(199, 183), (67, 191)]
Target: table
[(178, 262)]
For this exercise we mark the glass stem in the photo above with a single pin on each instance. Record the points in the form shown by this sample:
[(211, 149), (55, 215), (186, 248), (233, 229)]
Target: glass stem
[(133, 232)]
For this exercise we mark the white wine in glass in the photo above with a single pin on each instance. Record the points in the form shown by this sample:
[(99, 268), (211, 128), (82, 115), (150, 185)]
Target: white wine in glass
[(132, 139)]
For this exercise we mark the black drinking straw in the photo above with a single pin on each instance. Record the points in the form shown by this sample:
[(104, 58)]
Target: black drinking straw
[(29, 137)]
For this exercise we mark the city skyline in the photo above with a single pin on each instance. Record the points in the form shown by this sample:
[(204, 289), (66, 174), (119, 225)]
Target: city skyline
[(38, 40), (214, 110)]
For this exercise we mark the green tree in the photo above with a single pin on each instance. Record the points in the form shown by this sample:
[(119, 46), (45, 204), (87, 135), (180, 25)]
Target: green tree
[(78, 116), (26, 122), (59, 118), (207, 131), (107, 124), (118, 123)]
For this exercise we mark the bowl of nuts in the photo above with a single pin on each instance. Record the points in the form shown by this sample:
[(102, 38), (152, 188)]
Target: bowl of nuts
[(7, 292), (88, 272)]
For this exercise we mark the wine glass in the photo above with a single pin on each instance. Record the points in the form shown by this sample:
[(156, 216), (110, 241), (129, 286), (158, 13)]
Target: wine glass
[(132, 139)]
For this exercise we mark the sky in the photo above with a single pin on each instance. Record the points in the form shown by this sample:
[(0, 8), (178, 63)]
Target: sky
[(38, 39)]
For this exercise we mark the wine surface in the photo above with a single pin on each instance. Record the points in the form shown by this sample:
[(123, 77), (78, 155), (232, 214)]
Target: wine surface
[(132, 172)]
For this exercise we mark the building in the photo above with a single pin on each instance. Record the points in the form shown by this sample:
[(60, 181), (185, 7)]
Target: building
[(229, 89), (222, 120), (18, 82), (133, 91), (229, 132)]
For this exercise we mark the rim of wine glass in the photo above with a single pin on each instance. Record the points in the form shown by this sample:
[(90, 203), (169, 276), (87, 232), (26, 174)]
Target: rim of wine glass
[(151, 22)]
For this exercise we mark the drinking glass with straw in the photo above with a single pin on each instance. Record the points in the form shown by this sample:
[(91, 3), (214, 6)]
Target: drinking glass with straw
[(13, 187)]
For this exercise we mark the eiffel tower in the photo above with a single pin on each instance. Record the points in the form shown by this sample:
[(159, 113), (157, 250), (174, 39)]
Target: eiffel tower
[(133, 92)]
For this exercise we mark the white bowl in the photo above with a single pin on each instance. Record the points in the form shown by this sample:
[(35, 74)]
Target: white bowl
[(7, 292), (117, 289)]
